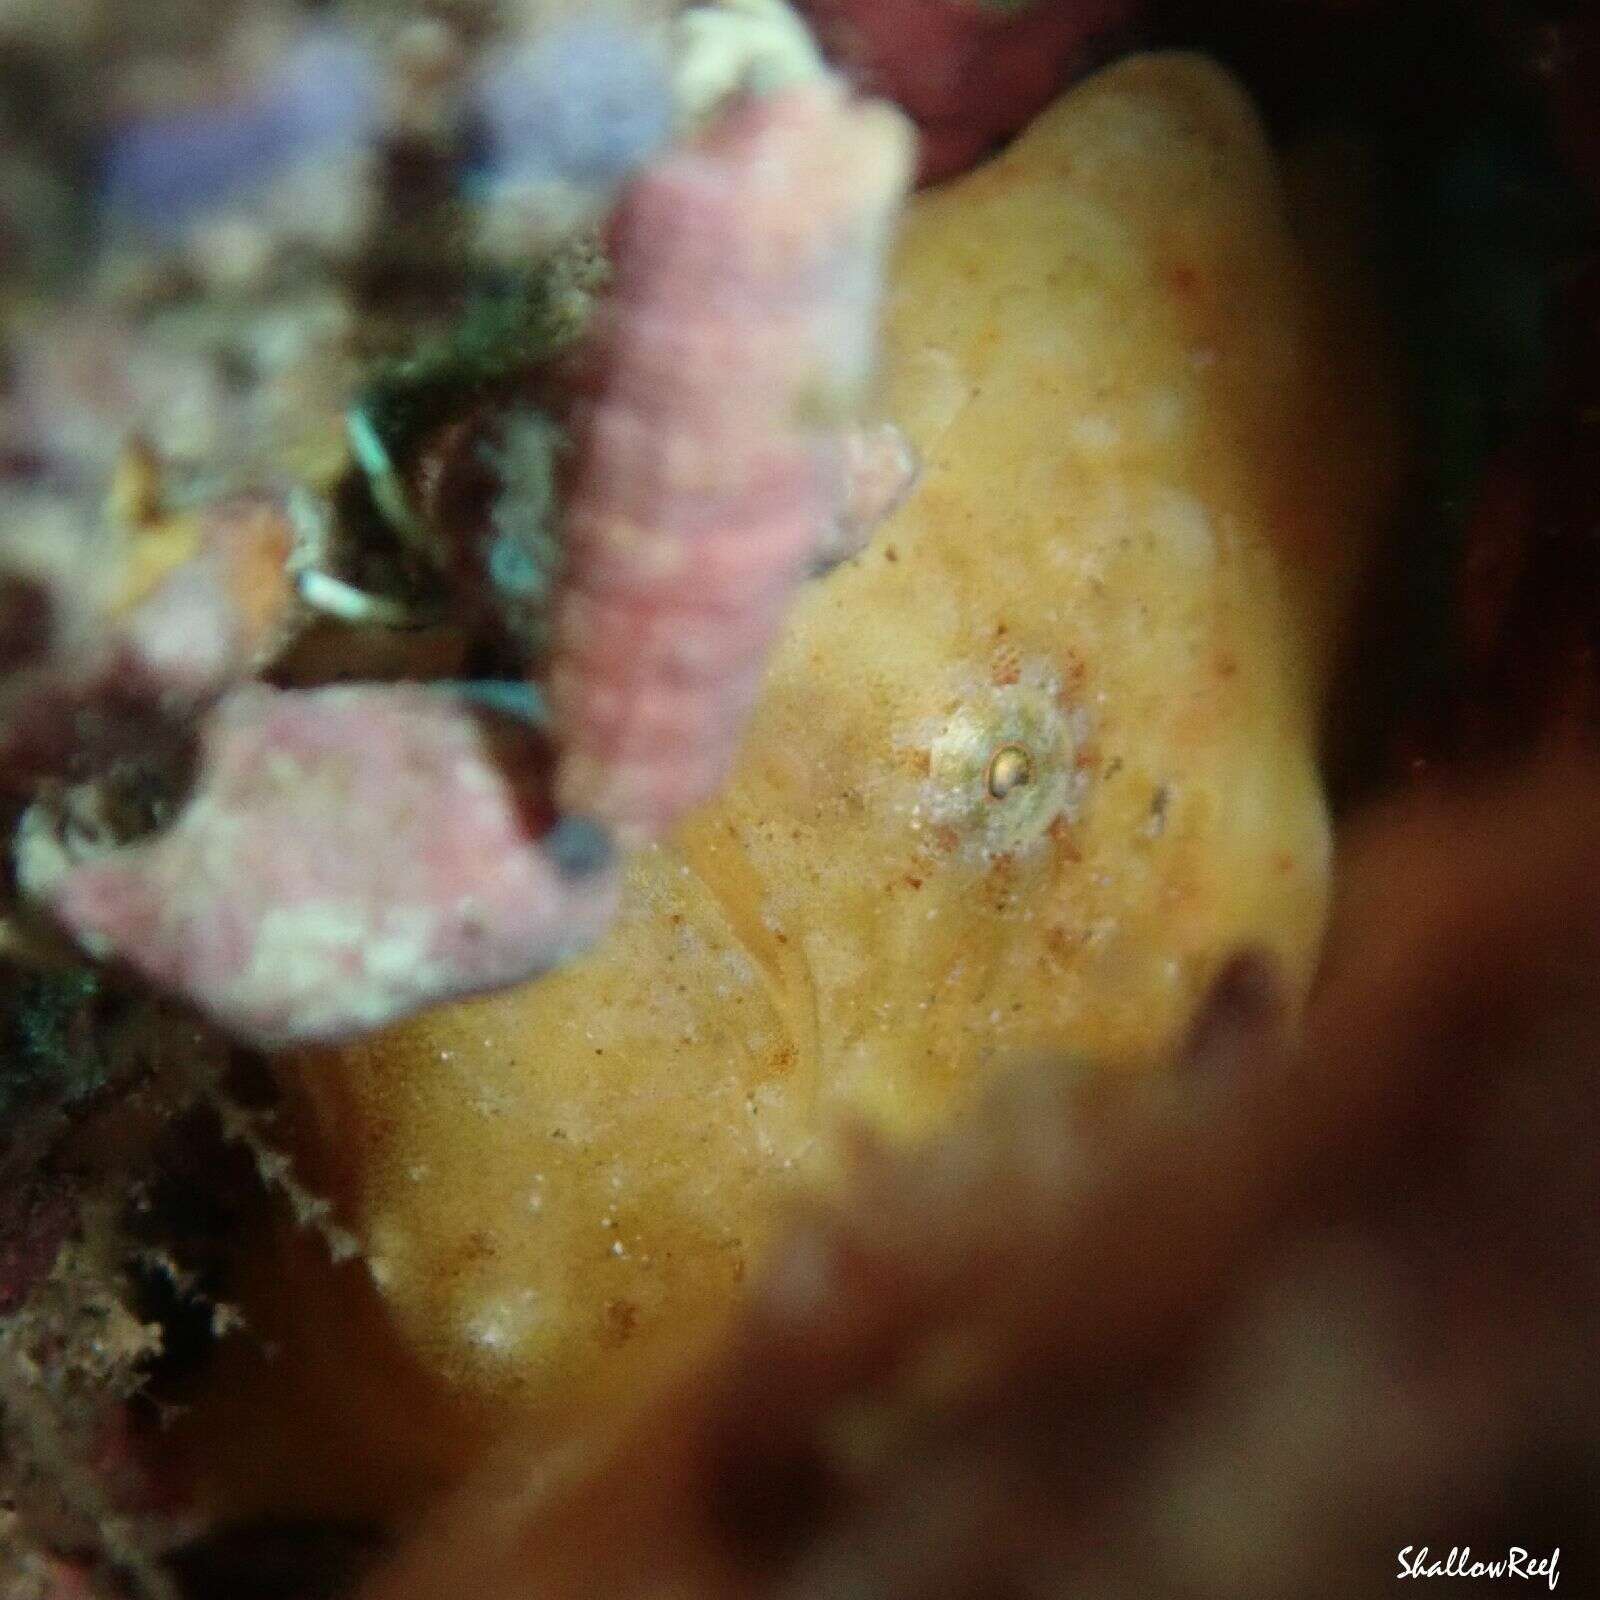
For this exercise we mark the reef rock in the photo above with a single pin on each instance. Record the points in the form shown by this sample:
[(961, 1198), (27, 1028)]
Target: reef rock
[(347, 855), (736, 340)]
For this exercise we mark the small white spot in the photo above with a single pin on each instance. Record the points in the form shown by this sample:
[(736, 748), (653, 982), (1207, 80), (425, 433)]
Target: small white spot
[(500, 1326), (1182, 526), (1165, 412), (1096, 433)]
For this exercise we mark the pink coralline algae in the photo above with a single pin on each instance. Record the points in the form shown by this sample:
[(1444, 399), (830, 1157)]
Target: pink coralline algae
[(739, 331), (348, 855)]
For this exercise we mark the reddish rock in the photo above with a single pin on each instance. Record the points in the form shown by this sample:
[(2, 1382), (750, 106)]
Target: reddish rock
[(348, 855), (970, 74), (740, 329)]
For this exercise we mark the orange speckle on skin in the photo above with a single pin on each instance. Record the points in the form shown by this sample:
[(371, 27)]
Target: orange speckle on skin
[(1060, 833), (618, 1324), (1183, 279)]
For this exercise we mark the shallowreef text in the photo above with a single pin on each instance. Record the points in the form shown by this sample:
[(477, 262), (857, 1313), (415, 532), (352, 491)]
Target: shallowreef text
[(1460, 1563)]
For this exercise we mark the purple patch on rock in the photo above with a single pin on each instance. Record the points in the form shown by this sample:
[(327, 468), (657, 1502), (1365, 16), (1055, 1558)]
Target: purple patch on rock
[(321, 100), (586, 103)]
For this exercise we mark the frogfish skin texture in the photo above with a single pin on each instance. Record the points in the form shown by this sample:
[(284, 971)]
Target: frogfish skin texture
[(1022, 775)]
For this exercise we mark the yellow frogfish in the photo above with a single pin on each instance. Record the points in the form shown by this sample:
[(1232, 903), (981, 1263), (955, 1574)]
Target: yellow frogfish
[(1022, 774)]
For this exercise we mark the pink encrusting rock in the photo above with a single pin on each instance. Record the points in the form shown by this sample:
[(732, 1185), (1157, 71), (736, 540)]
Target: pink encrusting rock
[(348, 855), (710, 466)]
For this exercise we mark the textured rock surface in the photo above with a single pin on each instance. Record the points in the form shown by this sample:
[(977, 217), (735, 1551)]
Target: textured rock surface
[(736, 341), (347, 856)]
